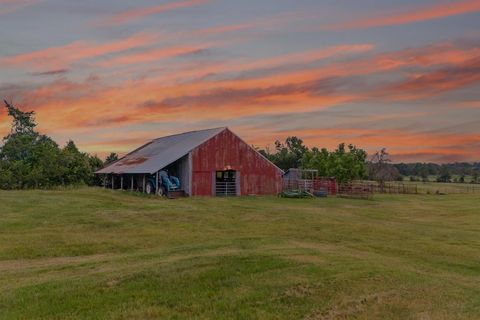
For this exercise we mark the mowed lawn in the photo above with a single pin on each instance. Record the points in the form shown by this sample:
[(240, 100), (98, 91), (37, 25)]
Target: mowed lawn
[(98, 254)]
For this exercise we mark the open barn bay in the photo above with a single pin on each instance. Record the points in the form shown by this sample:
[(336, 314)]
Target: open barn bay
[(96, 254)]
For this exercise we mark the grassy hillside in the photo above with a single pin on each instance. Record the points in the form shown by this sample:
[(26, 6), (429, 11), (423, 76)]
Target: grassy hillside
[(98, 254)]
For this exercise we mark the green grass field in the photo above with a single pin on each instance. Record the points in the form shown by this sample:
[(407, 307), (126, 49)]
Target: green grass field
[(98, 254)]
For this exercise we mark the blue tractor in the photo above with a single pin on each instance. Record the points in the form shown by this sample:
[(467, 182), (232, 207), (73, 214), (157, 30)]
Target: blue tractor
[(166, 184)]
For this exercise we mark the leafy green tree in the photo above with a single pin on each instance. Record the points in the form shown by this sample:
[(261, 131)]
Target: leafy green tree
[(76, 165), (28, 158), (23, 122), (32, 160), (296, 148), (288, 154), (344, 164), (95, 164), (112, 157), (318, 159)]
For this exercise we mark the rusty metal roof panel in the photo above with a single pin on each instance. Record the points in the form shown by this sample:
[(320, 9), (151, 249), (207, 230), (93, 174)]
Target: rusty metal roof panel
[(160, 152)]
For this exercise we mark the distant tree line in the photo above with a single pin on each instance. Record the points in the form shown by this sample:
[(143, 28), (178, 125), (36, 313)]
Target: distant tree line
[(29, 159), (442, 172)]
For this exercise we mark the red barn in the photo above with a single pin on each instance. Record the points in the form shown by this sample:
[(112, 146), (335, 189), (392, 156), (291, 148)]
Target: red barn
[(207, 163)]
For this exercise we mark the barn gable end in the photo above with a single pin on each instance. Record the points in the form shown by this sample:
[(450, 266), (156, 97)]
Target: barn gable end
[(226, 151)]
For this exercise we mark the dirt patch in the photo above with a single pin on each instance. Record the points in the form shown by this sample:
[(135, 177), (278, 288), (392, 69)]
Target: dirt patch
[(350, 307)]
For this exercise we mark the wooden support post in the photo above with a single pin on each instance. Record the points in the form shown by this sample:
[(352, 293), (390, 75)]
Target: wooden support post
[(121, 182), (157, 187), (131, 184), (143, 184), (113, 181), (105, 181)]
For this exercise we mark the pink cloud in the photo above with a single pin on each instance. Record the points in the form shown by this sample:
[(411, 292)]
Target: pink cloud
[(139, 13), (438, 10), (62, 57)]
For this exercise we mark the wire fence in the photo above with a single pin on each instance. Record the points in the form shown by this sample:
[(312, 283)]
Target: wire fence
[(356, 189), (327, 185), (444, 188), (363, 189)]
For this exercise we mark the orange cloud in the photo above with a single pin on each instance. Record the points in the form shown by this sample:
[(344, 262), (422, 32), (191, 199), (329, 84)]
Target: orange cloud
[(422, 13), (276, 20), (136, 14), (439, 81), (428, 56), (475, 104), (195, 72), (303, 57), (62, 57), (169, 97), (437, 54)]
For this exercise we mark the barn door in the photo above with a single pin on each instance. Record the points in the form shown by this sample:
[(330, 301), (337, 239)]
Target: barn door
[(226, 183)]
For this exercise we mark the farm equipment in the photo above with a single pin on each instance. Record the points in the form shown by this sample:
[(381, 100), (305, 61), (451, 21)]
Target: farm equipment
[(297, 194), (167, 184)]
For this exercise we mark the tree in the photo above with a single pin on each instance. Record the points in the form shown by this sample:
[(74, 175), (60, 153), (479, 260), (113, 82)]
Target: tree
[(445, 175), (28, 158), (75, 165), (23, 122), (32, 160), (320, 160), (424, 173), (345, 164), (287, 155), (296, 148), (112, 157), (475, 176), (95, 164), (381, 169)]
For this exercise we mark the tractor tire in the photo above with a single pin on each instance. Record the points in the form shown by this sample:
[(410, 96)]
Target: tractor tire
[(161, 191), (149, 188)]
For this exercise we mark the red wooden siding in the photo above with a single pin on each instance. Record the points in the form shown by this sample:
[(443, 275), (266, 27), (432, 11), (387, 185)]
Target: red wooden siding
[(226, 151), (328, 184)]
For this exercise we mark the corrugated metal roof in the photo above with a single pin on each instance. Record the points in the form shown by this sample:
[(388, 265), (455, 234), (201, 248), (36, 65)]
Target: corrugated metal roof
[(161, 152)]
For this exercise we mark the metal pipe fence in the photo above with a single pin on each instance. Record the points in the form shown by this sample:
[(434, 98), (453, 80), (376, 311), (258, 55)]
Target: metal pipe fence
[(225, 188)]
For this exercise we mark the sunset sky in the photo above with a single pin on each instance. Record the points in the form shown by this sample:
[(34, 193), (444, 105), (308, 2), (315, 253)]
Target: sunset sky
[(113, 74)]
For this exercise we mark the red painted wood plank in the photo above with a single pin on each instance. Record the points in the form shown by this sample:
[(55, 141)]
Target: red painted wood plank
[(226, 151)]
